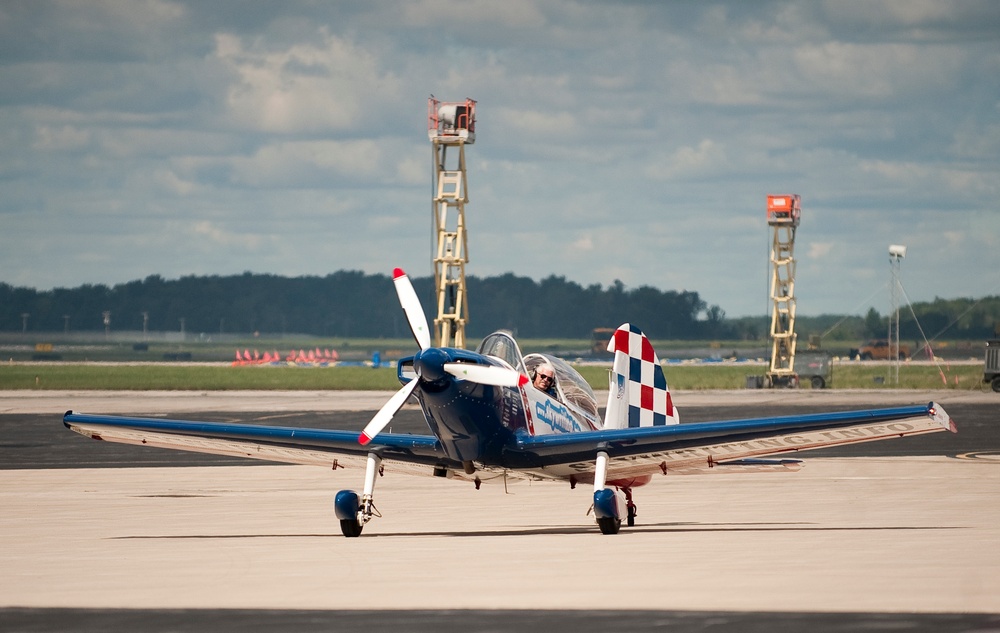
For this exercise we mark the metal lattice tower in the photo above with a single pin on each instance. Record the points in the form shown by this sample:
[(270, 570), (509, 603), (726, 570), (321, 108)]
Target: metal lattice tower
[(783, 213), (451, 126)]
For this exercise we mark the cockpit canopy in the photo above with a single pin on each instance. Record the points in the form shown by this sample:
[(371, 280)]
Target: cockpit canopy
[(571, 387)]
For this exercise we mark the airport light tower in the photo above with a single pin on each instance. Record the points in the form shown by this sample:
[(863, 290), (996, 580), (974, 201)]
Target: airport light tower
[(451, 126), (783, 213)]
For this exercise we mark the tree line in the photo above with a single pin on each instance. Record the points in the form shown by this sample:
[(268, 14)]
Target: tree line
[(355, 304), (350, 304)]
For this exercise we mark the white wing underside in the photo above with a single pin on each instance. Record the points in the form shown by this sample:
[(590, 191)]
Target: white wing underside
[(716, 458)]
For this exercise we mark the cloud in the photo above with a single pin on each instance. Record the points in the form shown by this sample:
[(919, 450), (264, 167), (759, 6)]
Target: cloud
[(819, 250), (616, 140), (300, 88)]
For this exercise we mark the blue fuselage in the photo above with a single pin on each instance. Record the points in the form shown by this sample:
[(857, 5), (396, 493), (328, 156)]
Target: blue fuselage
[(474, 422)]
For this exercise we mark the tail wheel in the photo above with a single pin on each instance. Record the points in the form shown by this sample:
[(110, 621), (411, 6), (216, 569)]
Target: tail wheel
[(610, 525), (351, 527)]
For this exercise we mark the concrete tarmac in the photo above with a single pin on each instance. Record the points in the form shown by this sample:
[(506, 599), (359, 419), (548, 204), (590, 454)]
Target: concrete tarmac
[(152, 402), (857, 534), (918, 534)]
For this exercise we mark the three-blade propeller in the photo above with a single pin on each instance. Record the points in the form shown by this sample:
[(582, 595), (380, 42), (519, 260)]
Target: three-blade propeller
[(482, 374)]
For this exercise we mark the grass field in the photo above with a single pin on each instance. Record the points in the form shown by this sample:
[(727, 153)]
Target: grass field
[(174, 377)]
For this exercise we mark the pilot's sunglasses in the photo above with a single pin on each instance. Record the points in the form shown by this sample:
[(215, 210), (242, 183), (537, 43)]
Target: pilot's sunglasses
[(546, 377)]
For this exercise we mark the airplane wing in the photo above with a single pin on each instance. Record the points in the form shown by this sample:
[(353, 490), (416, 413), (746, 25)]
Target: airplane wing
[(411, 454), (718, 446), (696, 448)]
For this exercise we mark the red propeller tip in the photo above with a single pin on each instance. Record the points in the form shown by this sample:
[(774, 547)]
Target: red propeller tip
[(397, 273), (522, 380), (364, 439)]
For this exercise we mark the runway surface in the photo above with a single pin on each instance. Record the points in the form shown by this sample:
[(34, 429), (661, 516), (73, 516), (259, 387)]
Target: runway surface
[(901, 534)]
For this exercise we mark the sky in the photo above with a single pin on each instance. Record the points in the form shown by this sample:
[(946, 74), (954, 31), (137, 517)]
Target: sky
[(632, 141)]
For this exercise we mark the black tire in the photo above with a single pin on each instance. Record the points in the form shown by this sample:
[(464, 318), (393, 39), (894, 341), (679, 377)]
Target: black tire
[(609, 525), (631, 516), (996, 384), (817, 382), (351, 528)]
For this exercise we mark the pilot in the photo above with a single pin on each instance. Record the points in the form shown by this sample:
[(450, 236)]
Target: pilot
[(545, 379)]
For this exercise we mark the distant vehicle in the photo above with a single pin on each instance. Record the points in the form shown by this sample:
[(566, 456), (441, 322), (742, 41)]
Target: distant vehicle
[(879, 350), (991, 366), (599, 340), (816, 367)]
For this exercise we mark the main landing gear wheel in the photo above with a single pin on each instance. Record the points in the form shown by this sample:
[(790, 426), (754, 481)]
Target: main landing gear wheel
[(609, 525), (351, 527)]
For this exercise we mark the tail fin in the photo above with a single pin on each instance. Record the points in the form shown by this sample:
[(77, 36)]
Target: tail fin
[(638, 393)]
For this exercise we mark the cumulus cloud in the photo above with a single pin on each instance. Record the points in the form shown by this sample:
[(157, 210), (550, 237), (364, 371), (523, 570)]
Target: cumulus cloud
[(302, 88), (616, 140)]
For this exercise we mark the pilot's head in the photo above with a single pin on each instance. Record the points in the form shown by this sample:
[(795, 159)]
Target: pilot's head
[(545, 377)]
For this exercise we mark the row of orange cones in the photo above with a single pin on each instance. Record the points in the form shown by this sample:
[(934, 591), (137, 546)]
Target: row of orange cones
[(312, 356)]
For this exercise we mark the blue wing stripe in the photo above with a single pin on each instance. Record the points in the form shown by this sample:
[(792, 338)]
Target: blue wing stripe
[(316, 439)]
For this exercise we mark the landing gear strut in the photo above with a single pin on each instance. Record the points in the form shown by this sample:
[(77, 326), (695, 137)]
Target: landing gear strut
[(353, 512), (607, 502)]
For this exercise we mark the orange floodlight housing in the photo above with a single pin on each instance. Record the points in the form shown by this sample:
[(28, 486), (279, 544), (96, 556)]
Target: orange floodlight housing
[(784, 209)]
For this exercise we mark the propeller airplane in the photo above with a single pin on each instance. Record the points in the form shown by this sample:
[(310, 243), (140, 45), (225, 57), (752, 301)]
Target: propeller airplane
[(490, 423)]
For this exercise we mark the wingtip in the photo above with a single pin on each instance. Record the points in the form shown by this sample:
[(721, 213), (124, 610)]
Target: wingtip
[(397, 273)]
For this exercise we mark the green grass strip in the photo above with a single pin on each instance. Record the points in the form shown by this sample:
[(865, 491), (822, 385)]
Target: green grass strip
[(223, 378)]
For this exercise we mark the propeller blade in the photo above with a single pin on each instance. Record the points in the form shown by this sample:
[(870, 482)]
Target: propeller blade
[(486, 374), (385, 414), (411, 306)]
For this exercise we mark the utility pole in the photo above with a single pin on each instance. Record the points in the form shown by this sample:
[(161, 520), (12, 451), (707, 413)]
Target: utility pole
[(896, 253)]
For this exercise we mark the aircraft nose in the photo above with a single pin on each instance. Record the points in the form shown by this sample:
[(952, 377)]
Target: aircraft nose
[(429, 364)]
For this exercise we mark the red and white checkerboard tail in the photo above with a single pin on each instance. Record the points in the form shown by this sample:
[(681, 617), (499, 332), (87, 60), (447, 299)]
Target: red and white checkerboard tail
[(638, 394)]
